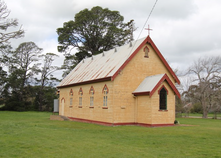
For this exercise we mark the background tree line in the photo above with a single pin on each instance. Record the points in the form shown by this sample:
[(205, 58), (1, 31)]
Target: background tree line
[(203, 90), (26, 73), (26, 79)]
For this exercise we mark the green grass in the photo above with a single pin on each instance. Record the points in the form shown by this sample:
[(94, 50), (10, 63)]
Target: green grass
[(32, 134), (210, 115)]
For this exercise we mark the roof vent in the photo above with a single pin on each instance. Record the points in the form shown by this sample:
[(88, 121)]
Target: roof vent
[(83, 61), (115, 50), (130, 44), (103, 54), (92, 57)]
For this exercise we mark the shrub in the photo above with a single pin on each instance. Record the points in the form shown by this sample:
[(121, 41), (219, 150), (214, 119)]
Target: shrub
[(176, 122)]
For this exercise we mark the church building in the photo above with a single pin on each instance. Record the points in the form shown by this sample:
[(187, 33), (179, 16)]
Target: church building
[(129, 85)]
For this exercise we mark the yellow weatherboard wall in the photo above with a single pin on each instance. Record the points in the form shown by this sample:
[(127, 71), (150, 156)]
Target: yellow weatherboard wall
[(123, 107), (86, 111), (129, 79)]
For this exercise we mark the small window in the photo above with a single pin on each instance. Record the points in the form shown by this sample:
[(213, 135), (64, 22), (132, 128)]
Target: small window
[(71, 101), (80, 93), (91, 92), (105, 100), (163, 99), (71, 97), (80, 101), (146, 52), (105, 95), (91, 100)]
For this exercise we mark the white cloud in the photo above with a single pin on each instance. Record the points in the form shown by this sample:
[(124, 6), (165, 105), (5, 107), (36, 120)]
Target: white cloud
[(183, 30)]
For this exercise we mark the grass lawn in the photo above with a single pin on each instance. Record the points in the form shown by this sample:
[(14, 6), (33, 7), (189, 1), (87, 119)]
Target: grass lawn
[(32, 134), (210, 115)]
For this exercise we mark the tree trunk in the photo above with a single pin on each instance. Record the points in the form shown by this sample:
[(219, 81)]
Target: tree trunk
[(205, 112), (215, 114), (40, 101), (41, 96)]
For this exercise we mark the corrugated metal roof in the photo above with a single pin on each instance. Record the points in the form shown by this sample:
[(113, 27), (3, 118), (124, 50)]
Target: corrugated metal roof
[(100, 66), (149, 83)]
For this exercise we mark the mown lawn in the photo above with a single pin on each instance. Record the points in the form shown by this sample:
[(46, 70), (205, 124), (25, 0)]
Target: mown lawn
[(32, 134), (210, 115)]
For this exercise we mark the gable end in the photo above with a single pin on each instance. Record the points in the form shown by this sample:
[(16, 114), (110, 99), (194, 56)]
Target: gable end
[(149, 41)]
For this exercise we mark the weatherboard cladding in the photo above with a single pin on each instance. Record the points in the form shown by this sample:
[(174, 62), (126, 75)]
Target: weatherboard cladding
[(100, 66)]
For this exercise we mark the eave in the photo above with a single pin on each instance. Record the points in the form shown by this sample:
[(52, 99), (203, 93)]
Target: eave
[(151, 92), (86, 82)]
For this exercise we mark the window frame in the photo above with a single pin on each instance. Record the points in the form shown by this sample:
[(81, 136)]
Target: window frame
[(71, 101), (105, 92), (71, 98), (91, 92), (80, 93), (163, 93), (146, 52)]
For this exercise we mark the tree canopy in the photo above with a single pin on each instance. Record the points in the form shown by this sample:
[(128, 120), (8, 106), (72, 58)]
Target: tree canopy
[(26, 68), (92, 32), (205, 88), (24, 83), (5, 37)]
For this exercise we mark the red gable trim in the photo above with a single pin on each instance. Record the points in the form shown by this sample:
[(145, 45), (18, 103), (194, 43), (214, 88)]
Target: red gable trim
[(165, 77), (162, 88), (147, 40)]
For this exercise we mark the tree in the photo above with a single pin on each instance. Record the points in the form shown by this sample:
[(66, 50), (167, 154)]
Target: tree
[(5, 23), (46, 78), (24, 58), (207, 72), (3, 75), (215, 97), (5, 36), (23, 66), (92, 32)]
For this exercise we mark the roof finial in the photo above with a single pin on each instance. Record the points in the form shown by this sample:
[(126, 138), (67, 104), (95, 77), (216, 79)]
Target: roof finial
[(148, 30)]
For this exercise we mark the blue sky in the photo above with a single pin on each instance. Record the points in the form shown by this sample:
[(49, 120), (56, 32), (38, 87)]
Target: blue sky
[(183, 30)]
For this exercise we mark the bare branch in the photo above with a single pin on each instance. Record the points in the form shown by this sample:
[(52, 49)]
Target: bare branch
[(208, 74), (5, 23)]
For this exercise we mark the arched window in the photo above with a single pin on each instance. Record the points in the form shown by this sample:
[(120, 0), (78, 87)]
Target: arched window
[(91, 92), (163, 98), (71, 97), (146, 52), (105, 95), (80, 93)]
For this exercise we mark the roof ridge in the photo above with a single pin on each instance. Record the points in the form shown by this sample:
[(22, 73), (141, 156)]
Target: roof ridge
[(109, 63)]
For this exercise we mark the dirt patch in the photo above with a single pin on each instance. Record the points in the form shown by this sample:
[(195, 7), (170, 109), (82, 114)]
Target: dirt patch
[(56, 117)]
